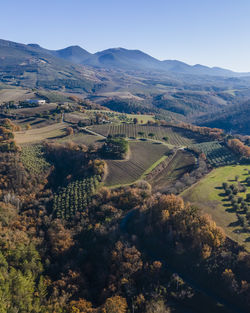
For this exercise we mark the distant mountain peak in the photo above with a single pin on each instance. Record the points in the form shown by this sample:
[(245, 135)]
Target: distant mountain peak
[(33, 45)]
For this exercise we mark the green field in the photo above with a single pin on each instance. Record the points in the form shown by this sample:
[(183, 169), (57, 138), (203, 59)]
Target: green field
[(176, 136), (143, 155), (209, 195), (171, 169)]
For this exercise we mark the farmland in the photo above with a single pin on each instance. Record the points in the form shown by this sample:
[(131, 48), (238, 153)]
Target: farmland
[(209, 195), (74, 198), (175, 136), (216, 153), (40, 134), (171, 169), (33, 159), (142, 156), (82, 138)]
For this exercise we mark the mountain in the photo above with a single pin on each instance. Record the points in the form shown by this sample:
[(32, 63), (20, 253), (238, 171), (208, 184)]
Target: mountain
[(123, 59), (33, 66), (74, 54)]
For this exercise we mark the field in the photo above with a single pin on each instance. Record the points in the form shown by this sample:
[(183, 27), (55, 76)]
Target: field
[(143, 155), (216, 153), (40, 134), (171, 169), (82, 138), (14, 94), (74, 198), (124, 117), (209, 195), (175, 136), (31, 111), (33, 159)]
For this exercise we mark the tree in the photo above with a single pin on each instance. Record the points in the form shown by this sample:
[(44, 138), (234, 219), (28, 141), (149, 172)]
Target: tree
[(156, 306), (141, 134), (28, 126), (69, 131), (135, 120), (165, 138), (151, 135), (115, 304)]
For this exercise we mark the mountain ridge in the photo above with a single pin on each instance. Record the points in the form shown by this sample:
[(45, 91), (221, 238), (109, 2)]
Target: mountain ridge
[(126, 59)]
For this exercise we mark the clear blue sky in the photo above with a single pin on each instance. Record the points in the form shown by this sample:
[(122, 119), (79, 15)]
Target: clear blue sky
[(209, 32)]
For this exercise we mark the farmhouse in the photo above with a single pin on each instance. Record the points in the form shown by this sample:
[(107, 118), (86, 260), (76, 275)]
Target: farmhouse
[(36, 101)]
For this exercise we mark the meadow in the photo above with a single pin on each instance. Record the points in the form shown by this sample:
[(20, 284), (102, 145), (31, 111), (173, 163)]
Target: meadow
[(142, 156), (209, 196)]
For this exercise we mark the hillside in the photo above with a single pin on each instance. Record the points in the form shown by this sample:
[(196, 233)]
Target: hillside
[(131, 81), (32, 66), (232, 119)]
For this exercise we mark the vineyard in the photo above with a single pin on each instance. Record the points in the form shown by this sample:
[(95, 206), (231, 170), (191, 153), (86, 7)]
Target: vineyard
[(75, 197), (142, 156), (171, 135), (216, 153), (33, 159), (171, 169)]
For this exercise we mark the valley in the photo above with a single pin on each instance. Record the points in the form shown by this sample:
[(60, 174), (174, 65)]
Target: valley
[(124, 183)]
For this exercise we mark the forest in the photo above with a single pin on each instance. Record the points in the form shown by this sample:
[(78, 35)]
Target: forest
[(69, 244)]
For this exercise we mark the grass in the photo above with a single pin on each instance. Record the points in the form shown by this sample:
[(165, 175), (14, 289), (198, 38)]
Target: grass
[(176, 136), (40, 134), (207, 195), (143, 155)]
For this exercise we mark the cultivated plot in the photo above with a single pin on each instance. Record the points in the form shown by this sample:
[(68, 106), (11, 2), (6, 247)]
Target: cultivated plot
[(142, 156), (172, 135)]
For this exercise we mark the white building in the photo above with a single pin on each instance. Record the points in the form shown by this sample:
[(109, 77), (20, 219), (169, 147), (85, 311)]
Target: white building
[(36, 101)]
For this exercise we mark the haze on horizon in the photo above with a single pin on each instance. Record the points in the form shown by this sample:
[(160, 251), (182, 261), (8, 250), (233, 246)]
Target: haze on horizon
[(215, 33)]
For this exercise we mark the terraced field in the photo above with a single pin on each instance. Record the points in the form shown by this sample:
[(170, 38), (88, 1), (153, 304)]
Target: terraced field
[(216, 153), (142, 156), (171, 169), (176, 136)]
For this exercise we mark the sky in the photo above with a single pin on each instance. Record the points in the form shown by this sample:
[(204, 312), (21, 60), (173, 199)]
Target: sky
[(208, 32)]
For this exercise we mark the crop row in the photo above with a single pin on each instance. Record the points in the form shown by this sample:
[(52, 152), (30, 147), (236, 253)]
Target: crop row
[(33, 159), (174, 136), (216, 153), (142, 156), (75, 197)]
